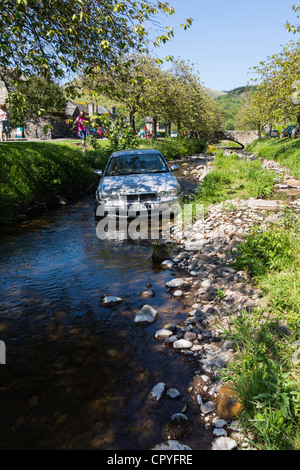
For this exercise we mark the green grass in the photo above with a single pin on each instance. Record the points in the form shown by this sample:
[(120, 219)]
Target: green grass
[(266, 378), (266, 382), (232, 177), (264, 375), (38, 172), (285, 151), (175, 148)]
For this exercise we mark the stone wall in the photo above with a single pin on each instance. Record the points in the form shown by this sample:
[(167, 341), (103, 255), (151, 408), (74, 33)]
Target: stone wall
[(33, 129), (3, 93), (243, 138)]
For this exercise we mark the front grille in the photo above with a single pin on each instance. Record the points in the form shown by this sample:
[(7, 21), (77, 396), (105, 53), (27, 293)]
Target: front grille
[(140, 197), (147, 196), (131, 197)]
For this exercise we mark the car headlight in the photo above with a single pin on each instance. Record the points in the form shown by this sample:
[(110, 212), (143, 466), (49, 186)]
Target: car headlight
[(109, 197), (169, 192), (104, 196), (172, 192)]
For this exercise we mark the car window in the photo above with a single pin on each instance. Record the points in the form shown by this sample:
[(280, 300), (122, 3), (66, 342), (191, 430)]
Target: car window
[(136, 164)]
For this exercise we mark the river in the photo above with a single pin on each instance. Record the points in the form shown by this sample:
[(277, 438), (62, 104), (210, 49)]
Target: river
[(78, 375)]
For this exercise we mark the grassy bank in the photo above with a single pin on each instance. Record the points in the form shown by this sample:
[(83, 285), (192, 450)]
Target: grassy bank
[(266, 370), (175, 148), (284, 151), (232, 177), (266, 374), (38, 173)]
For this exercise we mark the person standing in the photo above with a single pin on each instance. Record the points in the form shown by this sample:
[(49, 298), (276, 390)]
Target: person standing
[(81, 120), (4, 122)]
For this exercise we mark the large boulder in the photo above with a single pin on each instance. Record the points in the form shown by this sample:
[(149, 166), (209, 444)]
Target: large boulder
[(229, 405)]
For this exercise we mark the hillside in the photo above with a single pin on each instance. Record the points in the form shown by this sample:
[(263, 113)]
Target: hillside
[(215, 93), (231, 102)]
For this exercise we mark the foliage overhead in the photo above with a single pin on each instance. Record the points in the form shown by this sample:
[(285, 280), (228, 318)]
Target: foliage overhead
[(57, 38), (171, 96)]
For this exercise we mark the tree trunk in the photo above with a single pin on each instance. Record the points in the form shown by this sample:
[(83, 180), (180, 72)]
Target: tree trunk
[(259, 131), (154, 125), (132, 119), (297, 130), (169, 128)]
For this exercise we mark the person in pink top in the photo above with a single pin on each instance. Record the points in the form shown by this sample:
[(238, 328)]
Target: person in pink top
[(4, 122), (81, 120)]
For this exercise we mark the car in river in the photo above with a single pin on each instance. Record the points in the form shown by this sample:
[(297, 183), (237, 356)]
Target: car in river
[(137, 183)]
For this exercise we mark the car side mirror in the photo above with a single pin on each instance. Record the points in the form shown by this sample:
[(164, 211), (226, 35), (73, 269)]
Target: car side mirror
[(98, 172), (174, 167)]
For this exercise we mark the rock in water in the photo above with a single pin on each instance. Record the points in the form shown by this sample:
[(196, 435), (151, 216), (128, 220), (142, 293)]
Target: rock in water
[(110, 301), (157, 391), (146, 315), (178, 426), (175, 283), (171, 445)]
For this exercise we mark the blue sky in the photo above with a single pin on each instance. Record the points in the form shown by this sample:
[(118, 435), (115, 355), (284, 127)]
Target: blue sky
[(227, 38)]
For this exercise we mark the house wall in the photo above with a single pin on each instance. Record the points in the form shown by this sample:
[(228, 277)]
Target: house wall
[(3, 93)]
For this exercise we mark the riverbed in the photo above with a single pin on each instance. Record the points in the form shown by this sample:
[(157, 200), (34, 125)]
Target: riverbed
[(77, 374)]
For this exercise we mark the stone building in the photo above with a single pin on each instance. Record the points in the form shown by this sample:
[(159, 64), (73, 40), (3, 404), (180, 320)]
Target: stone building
[(3, 93)]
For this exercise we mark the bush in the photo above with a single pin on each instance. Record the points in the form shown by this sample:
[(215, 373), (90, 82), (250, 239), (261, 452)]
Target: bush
[(176, 148), (264, 250)]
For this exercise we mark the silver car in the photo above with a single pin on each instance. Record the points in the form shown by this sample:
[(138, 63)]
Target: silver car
[(135, 183)]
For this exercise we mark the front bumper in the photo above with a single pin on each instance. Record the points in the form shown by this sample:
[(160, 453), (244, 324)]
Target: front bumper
[(123, 209)]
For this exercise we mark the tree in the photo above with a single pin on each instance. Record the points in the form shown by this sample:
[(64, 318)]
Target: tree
[(39, 96), (56, 38), (252, 115), (290, 27), (128, 83), (279, 84)]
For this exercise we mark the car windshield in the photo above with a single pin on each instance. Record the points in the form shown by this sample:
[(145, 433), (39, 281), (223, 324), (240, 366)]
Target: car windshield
[(136, 164)]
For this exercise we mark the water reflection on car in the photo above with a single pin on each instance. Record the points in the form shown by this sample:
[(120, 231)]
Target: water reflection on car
[(137, 182)]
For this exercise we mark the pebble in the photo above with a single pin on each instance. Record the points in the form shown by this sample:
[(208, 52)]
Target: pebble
[(177, 282), (163, 334), (157, 391), (224, 443), (173, 393), (146, 315), (171, 444), (182, 344), (207, 407)]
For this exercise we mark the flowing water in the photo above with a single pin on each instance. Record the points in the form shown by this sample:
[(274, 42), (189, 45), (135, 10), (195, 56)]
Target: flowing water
[(77, 375)]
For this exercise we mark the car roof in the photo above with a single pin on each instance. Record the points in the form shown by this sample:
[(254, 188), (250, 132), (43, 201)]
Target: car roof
[(136, 152)]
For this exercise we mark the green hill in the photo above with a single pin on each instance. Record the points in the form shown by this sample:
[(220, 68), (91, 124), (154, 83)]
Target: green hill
[(215, 93), (231, 102)]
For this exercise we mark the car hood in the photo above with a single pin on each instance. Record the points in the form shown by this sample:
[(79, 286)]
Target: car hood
[(133, 184)]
